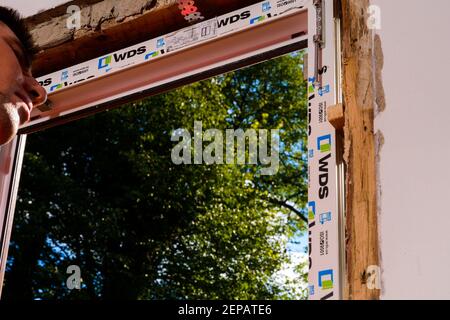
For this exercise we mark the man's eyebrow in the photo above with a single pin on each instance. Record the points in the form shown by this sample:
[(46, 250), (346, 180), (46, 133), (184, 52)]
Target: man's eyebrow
[(20, 51)]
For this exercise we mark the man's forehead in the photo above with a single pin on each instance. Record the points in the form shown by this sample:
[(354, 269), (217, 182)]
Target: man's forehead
[(7, 33)]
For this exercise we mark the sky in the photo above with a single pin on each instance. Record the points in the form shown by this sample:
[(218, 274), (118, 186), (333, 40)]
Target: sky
[(29, 8)]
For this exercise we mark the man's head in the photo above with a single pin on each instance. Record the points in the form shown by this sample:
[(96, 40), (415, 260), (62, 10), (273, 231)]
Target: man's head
[(19, 91)]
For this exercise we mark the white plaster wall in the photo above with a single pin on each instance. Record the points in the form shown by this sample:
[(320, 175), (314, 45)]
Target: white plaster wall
[(415, 159)]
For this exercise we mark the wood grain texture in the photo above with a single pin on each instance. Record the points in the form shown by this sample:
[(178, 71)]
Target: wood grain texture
[(335, 115), (362, 249)]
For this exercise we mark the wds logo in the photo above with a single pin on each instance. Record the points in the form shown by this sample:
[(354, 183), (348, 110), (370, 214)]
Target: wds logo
[(257, 19), (104, 63), (311, 87), (233, 19), (324, 146), (56, 87), (326, 280), (324, 143), (311, 210), (65, 75), (325, 217), (160, 43), (324, 90), (266, 6), (46, 82), (153, 54)]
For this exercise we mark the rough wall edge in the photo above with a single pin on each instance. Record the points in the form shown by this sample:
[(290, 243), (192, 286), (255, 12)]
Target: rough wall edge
[(98, 15), (360, 98), (379, 142), (380, 106)]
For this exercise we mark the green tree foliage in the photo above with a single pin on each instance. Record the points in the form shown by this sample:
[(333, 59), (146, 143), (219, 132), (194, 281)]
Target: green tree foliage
[(102, 193)]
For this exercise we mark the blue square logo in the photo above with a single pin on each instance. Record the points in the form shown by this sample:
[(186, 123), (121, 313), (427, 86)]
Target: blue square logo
[(266, 6), (160, 43), (326, 280), (65, 75), (324, 143), (324, 90), (325, 217)]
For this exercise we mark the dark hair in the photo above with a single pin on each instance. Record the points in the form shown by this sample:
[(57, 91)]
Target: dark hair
[(14, 21)]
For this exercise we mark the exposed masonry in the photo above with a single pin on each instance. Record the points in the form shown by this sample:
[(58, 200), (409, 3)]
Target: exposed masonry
[(108, 26), (94, 17)]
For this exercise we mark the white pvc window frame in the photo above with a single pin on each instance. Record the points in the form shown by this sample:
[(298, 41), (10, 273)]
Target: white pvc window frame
[(11, 157), (268, 35)]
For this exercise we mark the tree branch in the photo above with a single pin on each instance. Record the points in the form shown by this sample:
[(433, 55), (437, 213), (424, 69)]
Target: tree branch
[(290, 207)]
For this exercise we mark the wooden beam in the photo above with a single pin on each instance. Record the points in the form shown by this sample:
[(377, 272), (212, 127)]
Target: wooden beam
[(335, 115), (362, 249)]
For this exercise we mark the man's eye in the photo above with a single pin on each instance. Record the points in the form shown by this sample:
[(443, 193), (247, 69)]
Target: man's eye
[(21, 58)]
